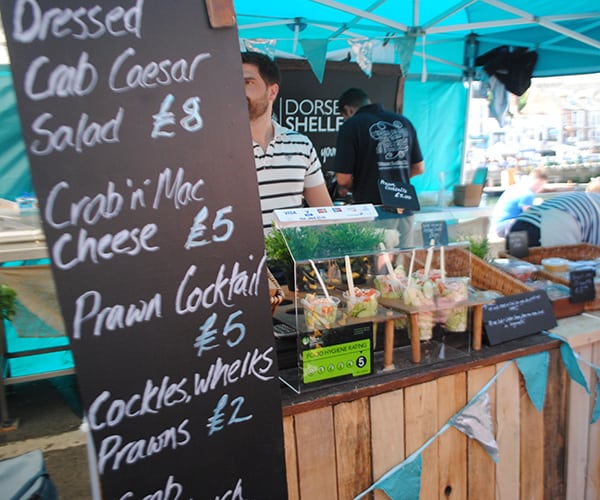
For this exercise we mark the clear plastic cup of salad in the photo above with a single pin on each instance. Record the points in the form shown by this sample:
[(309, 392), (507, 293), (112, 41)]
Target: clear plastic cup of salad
[(319, 311), (363, 304)]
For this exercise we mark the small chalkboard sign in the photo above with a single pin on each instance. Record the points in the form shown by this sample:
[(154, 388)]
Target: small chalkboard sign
[(518, 244), (582, 286), (517, 316), (398, 195), (435, 230)]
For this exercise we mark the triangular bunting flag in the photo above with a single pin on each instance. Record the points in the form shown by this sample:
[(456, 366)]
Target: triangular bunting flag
[(362, 50), (262, 45), (404, 482), (596, 414), (315, 52), (476, 422), (572, 366), (534, 369), (405, 47)]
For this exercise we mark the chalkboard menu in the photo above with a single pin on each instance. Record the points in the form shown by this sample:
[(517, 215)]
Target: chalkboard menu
[(516, 316), (136, 127)]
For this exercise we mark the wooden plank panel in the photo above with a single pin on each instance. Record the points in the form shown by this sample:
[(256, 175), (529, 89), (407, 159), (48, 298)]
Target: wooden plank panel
[(532, 448), (420, 414), (508, 432), (555, 428), (578, 431), (353, 448), (315, 444), (481, 471), (291, 463), (452, 444), (387, 434), (593, 472)]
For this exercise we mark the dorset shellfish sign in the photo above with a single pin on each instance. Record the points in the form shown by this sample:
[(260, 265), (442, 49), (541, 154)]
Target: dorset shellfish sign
[(136, 127)]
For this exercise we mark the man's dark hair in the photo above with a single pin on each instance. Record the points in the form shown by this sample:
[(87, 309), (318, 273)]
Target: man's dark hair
[(267, 67), (353, 97)]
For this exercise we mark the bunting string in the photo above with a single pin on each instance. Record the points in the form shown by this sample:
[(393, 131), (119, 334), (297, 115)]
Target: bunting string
[(403, 481)]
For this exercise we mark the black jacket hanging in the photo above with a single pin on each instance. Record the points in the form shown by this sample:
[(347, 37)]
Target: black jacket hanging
[(512, 66)]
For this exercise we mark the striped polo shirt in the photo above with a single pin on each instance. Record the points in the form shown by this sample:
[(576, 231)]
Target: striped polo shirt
[(289, 165), (584, 207)]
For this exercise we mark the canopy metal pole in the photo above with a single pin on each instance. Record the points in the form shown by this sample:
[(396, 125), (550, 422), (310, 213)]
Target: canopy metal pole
[(463, 160), (470, 54)]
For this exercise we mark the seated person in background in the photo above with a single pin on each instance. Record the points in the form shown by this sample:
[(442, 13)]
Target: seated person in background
[(516, 199), (566, 219), (287, 166)]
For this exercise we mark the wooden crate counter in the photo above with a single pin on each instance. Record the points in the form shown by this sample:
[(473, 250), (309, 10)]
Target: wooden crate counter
[(339, 440)]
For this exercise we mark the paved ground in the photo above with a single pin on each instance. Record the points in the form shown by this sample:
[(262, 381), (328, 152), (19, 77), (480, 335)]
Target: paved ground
[(49, 417)]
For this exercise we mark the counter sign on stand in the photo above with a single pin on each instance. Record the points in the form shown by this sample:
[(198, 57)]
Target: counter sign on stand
[(137, 132)]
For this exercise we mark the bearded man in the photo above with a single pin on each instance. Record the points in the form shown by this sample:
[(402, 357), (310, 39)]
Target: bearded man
[(287, 166)]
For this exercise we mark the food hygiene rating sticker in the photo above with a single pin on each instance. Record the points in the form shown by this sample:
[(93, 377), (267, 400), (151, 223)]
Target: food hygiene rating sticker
[(350, 358)]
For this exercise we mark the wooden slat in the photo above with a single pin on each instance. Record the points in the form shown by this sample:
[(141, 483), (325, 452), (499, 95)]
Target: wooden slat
[(420, 413), (593, 471), (508, 432), (315, 443), (291, 463), (532, 449), (452, 444), (555, 428), (353, 450), (578, 431), (480, 473), (387, 434)]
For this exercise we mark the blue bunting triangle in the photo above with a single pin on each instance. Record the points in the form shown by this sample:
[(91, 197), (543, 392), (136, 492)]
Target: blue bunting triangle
[(572, 366), (534, 369), (405, 48), (596, 414), (403, 482), (315, 52)]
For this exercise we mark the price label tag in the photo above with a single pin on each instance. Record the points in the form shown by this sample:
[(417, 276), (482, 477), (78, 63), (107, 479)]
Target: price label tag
[(582, 286), (436, 231), (398, 195), (518, 244)]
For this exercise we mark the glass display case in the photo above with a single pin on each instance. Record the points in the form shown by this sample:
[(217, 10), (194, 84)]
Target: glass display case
[(364, 302)]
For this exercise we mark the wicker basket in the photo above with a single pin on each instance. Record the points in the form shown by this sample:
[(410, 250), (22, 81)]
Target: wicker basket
[(581, 251), (275, 291)]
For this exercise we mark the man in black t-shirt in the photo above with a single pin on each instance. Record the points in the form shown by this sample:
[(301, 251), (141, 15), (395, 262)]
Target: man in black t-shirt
[(373, 144)]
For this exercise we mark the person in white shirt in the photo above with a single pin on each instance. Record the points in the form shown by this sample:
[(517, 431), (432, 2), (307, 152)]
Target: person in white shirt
[(287, 166)]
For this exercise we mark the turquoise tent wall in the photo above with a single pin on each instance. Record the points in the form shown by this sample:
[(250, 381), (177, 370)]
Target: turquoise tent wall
[(438, 111), (14, 165)]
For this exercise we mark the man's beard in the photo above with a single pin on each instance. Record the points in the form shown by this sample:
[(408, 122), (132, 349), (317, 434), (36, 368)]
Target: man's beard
[(258, 107)]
